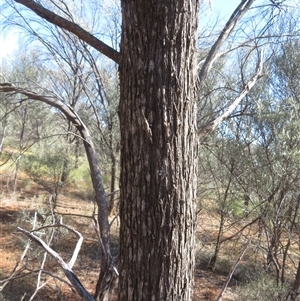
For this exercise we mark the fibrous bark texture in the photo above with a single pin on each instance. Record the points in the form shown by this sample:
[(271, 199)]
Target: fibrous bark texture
[(159, 149)]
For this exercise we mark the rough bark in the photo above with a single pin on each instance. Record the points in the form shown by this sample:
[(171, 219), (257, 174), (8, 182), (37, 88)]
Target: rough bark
[(158, 149)]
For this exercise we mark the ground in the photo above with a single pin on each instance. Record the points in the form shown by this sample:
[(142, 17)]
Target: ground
[(76, 209)]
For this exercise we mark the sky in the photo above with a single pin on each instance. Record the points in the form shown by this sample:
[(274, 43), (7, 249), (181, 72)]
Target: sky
[(8, 43), (223, 7)]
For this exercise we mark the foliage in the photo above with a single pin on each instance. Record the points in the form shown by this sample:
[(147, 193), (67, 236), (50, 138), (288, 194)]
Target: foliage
[(45, 163)]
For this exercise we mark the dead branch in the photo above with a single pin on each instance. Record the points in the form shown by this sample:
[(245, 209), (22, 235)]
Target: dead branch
[(78, 245), (38, 283), (64, 266)]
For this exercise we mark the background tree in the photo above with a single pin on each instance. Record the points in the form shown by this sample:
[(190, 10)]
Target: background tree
[(22, 119), (253, 169), (82, 78)]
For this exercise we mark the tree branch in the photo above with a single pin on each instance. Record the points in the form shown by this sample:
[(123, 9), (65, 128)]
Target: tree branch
[(239, 12), (72, 27), (78, 245), (107, 263), (67, 270), (207, 129)]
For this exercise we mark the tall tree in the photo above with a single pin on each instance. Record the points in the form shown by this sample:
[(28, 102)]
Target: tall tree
[(159, 151)]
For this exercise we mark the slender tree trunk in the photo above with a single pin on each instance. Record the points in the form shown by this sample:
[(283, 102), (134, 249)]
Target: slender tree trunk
[(65, 171), (294, 292), (24, 116), (113, 171), (294, 212), (222, 219), (2, 137), (158, 149), (66, 164), (107, 274), (113, 180), (213, 261), (77, 145)]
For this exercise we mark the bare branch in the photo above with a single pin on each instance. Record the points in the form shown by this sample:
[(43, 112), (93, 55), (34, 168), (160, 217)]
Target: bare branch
[(239, 12), (207, 129), (65, 267), (38, 283), (72, 27), (78, 245)]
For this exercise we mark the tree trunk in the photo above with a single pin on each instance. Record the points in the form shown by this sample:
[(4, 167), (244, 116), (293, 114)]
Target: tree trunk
[(158, 149), (112, 205), (294, 292), (213, 261), (2, 137)]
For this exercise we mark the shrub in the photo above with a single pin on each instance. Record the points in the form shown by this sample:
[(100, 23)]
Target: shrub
[(263, 288)]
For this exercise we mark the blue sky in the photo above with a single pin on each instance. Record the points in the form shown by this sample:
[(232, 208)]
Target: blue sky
[(224, 7), (221, 9)]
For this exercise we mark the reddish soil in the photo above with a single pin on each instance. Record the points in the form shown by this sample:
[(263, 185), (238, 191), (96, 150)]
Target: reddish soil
[(18, 210)]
